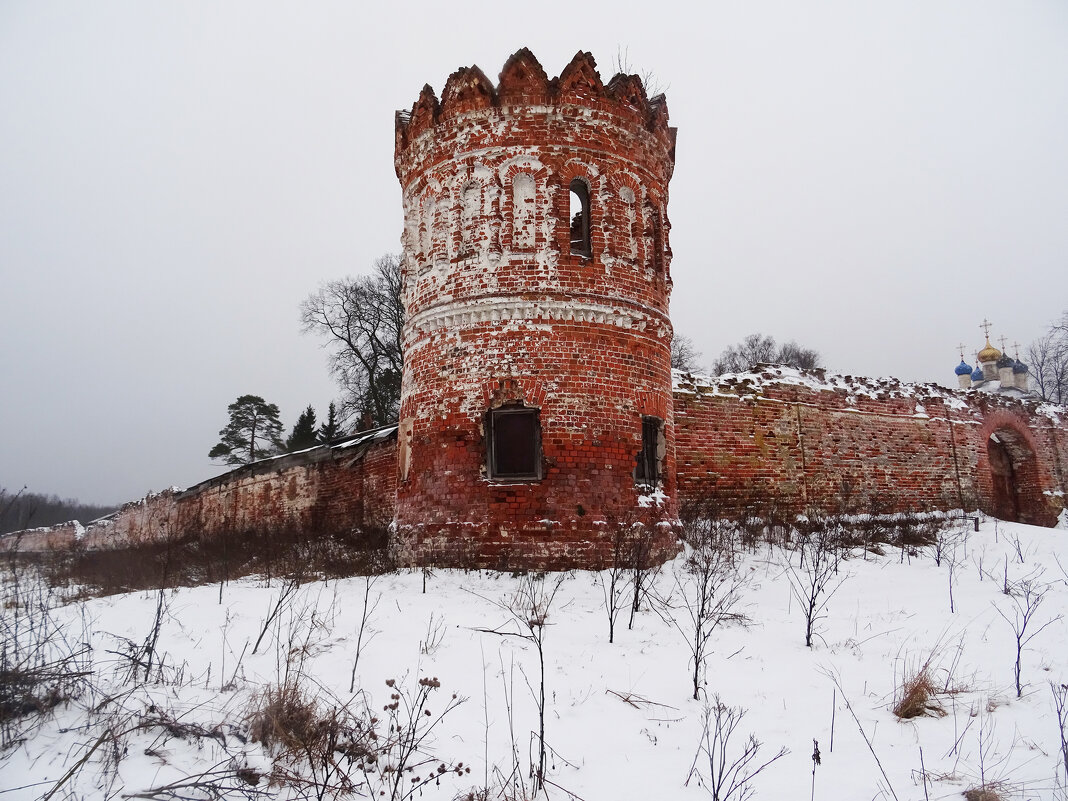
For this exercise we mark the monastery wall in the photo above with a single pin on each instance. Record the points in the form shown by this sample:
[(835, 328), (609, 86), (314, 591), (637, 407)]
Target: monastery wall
[(323, 492), (776, 439), (800, 441)]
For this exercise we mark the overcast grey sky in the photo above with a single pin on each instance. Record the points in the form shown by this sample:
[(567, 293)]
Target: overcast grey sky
[(870, 179)]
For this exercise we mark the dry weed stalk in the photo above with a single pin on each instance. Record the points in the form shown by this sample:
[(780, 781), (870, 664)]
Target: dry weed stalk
[(330, 747), (731, 767), (367, 610), (1030, 594), (917, 695), (988, 793), (529, 608), (42, 663), (1060, 705)]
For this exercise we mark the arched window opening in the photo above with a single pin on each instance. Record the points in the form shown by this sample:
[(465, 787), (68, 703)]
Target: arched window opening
[(655, 237), (438, 243), (426, 226), (580, 219)]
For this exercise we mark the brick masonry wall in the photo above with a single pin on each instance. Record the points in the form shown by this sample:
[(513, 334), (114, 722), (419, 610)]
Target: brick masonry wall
[(803, 442), (798, 441), (324, 492), (501, 311), (43, 539)]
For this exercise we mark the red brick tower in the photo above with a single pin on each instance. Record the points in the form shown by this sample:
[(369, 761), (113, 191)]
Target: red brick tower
[(536, 412)]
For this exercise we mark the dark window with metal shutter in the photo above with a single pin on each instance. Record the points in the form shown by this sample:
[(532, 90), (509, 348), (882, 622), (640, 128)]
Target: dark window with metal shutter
[(514, 444)]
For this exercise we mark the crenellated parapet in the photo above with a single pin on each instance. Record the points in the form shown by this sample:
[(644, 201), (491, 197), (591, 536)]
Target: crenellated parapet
[(523, 82)]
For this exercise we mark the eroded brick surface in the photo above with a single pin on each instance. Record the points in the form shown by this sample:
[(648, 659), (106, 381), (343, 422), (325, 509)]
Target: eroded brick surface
[(802, 443), (502, 312), (324, 492)]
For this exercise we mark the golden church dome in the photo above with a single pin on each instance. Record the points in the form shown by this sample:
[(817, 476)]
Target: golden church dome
[(989, 353)]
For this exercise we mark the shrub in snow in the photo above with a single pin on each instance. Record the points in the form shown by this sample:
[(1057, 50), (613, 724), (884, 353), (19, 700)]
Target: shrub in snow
[(42, 664), (726, 763), (708, 587), (815, 580)]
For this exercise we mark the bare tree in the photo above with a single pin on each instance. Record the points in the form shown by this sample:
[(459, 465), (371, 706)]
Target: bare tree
[(796, 356), (21, 509), (952, 545), (762, 349), (684, 355), (363, 319), (642, 569), (1049, 362), (613, 581)]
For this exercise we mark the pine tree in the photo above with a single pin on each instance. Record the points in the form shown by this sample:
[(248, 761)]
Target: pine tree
[(331, 429), (254, 432), (303, 435)]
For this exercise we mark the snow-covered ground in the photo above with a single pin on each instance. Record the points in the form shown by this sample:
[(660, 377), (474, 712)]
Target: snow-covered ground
[(620, 720)]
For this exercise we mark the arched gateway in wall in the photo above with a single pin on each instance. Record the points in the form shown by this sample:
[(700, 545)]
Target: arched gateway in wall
[(536, 414), (1015, 491)]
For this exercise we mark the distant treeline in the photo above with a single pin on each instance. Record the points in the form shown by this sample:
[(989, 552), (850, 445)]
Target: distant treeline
[(30, 510)]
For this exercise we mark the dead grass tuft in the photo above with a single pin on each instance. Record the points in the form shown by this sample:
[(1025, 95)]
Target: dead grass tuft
[(284, 718), (284, 550), (917, 695), (988, 792)]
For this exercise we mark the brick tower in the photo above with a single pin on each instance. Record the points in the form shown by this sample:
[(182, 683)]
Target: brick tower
[(536, 413)]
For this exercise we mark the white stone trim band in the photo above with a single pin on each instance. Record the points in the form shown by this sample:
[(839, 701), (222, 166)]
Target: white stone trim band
[(466, 313)]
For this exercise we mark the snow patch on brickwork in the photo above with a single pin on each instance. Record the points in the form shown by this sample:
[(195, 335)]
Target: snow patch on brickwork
[(762, 377), (655, 498)]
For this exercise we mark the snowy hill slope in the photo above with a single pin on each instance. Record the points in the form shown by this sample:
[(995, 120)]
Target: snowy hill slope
[(620, 722)]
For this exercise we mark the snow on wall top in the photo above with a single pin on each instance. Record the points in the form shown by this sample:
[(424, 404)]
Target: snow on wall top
[(308, 456), (765, 380)]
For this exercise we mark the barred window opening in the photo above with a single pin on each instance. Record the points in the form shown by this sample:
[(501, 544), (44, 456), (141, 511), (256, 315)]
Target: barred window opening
[(647, 471), (514, 444)]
